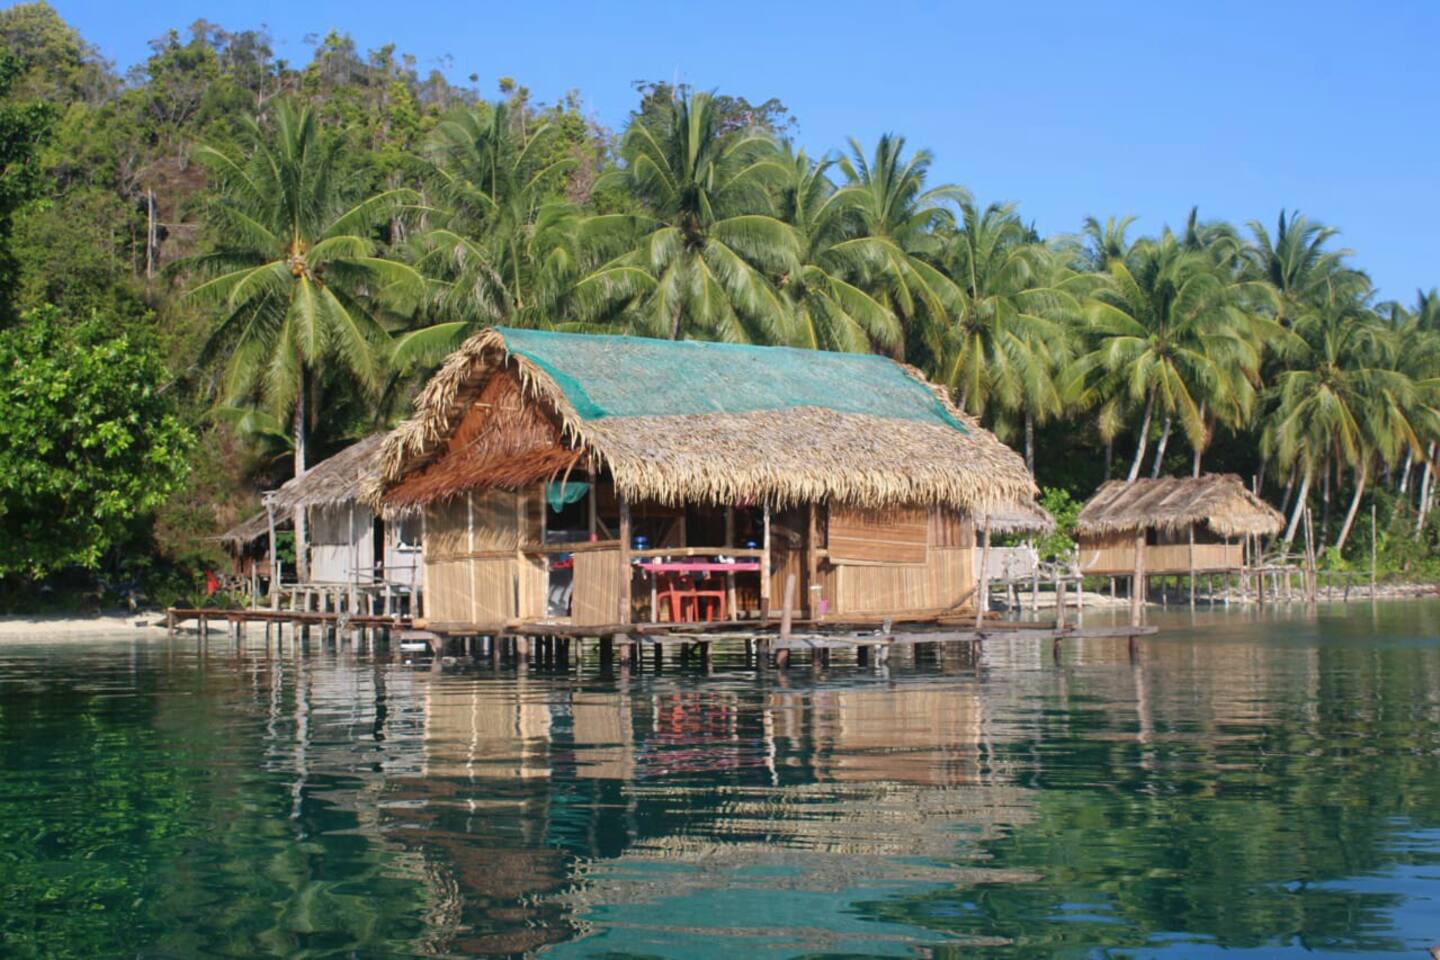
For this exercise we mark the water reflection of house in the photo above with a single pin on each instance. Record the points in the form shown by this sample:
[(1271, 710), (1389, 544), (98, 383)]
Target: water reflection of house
[(764, 822), (482, 730)]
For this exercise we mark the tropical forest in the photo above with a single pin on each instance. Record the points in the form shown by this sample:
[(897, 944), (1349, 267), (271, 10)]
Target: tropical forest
[(223, 266)]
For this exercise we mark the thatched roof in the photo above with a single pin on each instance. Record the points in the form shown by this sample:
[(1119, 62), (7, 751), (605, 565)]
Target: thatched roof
[(1220, 501), (249, 530), (1018, 518), (333, 482), (694, 422)]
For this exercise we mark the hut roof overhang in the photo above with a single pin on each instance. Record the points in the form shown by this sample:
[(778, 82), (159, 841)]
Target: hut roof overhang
[(339, 480), (1219, 501), (249, 530), (1018, 518), (715, 423)]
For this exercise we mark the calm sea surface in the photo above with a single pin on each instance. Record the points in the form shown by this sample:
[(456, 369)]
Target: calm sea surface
[(1256, 785)]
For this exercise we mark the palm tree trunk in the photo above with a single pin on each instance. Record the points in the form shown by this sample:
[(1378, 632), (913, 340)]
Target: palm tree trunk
[(1199, 449), (1160, 447), (1144, 438), (1109, 455), (1030, 441), (1289, 489), (1299, 509), (1427, 487), (1405, 474), (302, 558), (1324, 507), (1360, 476)]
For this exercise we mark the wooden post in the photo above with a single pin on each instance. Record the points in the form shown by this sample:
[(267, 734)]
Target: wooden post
[(274, 563), (1192, 566), (789, 601), (626, 576), (730, 577), (812, 562), (982, 595), (1137, 582), (354, 562), (1059, 605), (765, 568), (590, 511)]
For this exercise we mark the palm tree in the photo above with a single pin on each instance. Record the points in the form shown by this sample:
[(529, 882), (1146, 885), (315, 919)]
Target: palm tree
[(829, 310), (295, 275), (1101, 245), (1171, 332), (1417, 330), (1343, 401), (900, 236), (697, 260), (502, 246), (1295, 262), (1018, 307)]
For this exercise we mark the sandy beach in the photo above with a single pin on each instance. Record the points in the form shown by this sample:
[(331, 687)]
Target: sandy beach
[(61, 627)]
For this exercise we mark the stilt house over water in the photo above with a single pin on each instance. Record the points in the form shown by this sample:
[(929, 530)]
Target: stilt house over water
[(606, 480), (1186, 525), (347, 541)]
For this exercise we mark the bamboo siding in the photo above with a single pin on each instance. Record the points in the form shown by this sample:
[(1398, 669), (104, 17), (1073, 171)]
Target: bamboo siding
[(600, 588), (1171, 558)]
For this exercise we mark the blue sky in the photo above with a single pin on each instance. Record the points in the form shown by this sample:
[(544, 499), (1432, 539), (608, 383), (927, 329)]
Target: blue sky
[(1068, 109)]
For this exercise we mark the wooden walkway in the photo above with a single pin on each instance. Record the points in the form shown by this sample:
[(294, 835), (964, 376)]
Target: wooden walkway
[(763, 644)]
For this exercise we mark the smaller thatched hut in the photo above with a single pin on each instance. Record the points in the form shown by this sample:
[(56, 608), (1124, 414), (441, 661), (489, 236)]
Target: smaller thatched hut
[(347, 542), (1188, 525)]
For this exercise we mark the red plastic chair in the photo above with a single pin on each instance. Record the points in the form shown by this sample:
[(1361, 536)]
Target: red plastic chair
[(675, 590)]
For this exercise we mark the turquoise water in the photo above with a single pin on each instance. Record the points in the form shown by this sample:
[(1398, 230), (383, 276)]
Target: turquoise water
[(1256, 785)]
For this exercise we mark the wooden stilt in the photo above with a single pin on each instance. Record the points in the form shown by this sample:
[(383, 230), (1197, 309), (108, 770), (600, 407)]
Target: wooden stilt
[(1137, 582), (982, 595)]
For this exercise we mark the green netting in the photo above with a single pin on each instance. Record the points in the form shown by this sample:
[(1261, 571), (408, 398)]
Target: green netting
[(610, 376), (559, 495)]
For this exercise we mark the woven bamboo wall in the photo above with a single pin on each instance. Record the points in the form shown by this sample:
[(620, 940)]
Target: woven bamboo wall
[(600, 583), (466, 582), (855, 584), (896, 535), (901, 588)]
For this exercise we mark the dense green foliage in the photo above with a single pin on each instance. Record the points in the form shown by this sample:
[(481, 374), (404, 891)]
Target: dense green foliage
[(88, 441), (300, 239)]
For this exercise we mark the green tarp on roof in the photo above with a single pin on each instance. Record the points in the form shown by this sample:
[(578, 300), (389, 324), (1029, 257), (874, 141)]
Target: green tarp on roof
[(612, 376)]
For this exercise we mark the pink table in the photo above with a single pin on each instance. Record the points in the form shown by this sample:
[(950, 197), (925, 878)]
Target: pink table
[(699, 566)]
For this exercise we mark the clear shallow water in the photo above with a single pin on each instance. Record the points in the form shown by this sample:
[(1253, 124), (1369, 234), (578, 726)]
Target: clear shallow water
[(1255, 786)]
